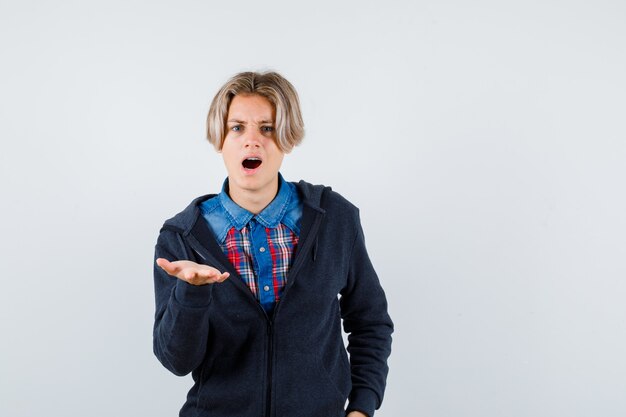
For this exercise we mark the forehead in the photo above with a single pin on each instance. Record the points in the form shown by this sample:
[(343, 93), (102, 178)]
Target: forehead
[(250, 107)]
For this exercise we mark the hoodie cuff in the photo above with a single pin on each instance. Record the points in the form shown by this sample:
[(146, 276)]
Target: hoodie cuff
[(193, 295), (363, 400)]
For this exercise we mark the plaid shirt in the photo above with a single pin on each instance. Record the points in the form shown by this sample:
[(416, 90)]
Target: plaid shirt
[(261, 246)]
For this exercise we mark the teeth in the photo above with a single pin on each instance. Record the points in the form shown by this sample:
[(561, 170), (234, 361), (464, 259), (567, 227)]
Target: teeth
[(253, 159)]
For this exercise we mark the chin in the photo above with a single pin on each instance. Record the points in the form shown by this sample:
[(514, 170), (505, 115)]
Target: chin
[(256, 182)]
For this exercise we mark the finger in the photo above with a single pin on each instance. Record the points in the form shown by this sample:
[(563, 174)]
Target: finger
[(192, 274), (215, 277), (202, 276), (166, 265), (175, 269), (186, 269), (220, 278), (199, 273), (206, 271)]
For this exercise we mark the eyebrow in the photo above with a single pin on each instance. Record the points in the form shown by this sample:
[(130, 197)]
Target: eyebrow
[(243, 123)]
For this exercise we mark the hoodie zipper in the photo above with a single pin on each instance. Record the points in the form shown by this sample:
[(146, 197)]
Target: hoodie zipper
[(270, 353), (270, 335)]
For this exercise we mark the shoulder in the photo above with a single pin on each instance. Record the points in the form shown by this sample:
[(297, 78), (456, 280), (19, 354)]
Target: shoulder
[(333, 199), (330, 201)]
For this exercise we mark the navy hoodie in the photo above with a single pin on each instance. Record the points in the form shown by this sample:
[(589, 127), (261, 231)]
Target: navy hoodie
[(293, 363)]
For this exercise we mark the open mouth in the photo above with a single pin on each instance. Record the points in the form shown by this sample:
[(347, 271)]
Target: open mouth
[(251, 163)]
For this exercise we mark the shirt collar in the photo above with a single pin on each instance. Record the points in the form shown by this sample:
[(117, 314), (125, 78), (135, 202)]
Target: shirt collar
[(270, 216)]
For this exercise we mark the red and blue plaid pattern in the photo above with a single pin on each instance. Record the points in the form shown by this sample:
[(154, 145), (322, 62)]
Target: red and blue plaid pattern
[(282, 243)]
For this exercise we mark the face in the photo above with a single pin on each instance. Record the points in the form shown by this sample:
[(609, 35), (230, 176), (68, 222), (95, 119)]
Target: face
[(250, 153)]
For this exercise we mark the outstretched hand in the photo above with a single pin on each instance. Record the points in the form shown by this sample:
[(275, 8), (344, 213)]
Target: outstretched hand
[(191, 272)]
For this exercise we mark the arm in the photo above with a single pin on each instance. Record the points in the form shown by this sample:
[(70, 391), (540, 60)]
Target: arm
[(183, 295), (369, 328)]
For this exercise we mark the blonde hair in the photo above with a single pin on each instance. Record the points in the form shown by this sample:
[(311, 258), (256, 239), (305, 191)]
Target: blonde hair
[(275, 88)]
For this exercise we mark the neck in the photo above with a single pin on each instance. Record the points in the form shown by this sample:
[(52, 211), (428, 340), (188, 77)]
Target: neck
[(254, 200)]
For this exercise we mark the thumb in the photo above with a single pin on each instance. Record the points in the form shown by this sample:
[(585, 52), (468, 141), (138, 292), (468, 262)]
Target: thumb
[(165, 265)]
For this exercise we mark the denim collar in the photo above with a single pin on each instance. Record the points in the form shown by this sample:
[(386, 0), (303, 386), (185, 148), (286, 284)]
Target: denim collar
[(270, 216)]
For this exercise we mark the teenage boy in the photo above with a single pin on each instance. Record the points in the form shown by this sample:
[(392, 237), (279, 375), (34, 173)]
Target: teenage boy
[(252, 283)]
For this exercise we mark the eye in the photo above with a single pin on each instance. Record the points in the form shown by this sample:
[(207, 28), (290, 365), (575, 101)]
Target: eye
[(236, 128), (267, 129)]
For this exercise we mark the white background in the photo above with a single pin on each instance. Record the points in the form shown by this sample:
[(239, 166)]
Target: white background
[(483, 141)]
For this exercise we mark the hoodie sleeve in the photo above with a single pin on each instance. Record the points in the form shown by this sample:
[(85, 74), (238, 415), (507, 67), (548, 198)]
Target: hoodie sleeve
[(369, 328), (181, 323)]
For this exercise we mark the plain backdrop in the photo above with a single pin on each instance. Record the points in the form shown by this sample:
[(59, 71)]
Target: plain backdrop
[(483, 141)]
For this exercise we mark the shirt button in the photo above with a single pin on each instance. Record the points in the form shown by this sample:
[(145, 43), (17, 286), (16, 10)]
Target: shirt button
[(262, 249), (266, 288)]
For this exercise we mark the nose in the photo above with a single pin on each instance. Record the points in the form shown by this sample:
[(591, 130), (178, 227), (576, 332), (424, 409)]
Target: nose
[(252, 139)]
